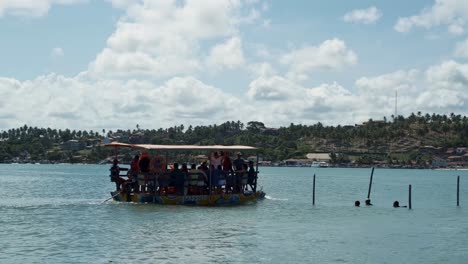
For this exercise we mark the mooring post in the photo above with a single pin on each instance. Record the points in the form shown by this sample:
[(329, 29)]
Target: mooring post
[(458, 191), (313, 191), (370, 183), (409, 197)]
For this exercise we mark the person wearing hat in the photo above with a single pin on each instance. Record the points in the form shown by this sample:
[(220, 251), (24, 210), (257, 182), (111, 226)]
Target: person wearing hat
[(115, 174)]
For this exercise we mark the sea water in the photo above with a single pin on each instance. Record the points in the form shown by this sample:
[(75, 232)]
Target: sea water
[(56, 214)]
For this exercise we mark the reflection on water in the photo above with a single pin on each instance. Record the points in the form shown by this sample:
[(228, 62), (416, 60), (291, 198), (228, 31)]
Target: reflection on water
[(55, 214)]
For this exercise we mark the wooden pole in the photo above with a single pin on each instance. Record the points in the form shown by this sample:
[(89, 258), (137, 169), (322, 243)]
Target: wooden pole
[(409, 197), (370, 183), (313, 191), (458, 191)]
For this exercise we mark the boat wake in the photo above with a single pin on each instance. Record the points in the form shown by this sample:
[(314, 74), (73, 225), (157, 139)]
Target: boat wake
[(274, 199), (37, 203)]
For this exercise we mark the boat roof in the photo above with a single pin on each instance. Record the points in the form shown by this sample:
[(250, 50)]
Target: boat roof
[(179, 147)]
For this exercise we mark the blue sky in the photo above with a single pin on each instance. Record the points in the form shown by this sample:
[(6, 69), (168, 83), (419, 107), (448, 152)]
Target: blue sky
[(115, 63)]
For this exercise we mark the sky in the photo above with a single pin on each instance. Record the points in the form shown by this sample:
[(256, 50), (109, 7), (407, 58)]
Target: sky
[(109, 64)]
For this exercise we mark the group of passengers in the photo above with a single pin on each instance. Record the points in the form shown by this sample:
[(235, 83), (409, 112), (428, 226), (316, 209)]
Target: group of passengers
[(153, 175)]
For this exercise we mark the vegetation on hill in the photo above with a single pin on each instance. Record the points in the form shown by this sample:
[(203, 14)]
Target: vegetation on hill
[(395, 140)]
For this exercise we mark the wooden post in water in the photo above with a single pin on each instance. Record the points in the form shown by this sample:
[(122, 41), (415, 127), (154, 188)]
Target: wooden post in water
[(409, 197), (313, 191), (458, 190), (370, 183)]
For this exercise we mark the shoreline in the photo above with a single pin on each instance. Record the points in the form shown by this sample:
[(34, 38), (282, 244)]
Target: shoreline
[(330, 167)]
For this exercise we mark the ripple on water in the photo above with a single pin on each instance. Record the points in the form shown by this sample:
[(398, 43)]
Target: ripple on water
[(54, 214)]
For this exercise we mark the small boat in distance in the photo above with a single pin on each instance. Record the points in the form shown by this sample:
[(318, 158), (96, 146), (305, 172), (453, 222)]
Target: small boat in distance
[(320, 164), (205, 185)]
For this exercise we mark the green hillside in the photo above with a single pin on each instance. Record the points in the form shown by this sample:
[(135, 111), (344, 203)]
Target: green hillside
[(397, 139)]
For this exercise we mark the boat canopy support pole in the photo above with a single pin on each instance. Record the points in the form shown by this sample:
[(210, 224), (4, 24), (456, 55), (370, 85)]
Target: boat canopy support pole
[(256, 175)]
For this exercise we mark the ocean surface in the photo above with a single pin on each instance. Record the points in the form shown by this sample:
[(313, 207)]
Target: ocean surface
[(56, 214)]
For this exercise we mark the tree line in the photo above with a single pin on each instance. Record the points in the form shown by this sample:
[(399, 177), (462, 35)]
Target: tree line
[(397, 137)]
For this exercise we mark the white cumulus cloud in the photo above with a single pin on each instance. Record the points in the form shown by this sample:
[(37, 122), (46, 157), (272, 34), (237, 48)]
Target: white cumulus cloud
[(82, 102), (31, 7), (57, 52), (461, 49), (228, 54), (330, 54), (364, 16), (165, 38), (451, 13)]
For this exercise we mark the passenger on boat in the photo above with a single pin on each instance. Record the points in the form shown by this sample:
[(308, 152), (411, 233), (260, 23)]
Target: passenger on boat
[(134, 169), (357, 203), (227, 164), (243, 180), (252, 175), (193, 166), (115, 174), (184, 168), (368, 203), (230, 182), (163, 182), (178, 179), (197, 181), (215, 178), (239, 162), (239, 172), (144, 162), (157, 165), (204, 168), (221, 179), (215, 159)]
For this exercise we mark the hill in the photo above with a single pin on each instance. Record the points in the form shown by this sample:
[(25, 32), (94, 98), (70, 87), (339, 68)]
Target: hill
[(404, 140)]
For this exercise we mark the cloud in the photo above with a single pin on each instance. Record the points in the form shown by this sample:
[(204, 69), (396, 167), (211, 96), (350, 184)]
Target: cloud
[(280, 101), (161, 39), (440, 88), (461, 49), (448, 88), (387, 84), (123, 4), (83, 102), (262, 69), (148, 74), (451, 13), (329, 55), (33, 8), (57, 52), (364, 16), (88, 103), (228, 54), (275, 88)]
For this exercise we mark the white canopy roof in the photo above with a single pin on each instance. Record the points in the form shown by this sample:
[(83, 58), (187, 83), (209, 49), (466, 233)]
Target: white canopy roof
[(179, 147)]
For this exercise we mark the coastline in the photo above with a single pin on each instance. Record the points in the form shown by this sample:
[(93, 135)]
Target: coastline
[(329, 167)]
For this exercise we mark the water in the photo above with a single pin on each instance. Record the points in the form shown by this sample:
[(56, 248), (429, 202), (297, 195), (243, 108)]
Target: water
[(55, 214)]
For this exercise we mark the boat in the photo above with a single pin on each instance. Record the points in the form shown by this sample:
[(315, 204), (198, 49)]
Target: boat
[(320, 164), (194, 191)]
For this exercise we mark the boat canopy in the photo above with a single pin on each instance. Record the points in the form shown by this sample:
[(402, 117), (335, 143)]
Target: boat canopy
[(179, 147)]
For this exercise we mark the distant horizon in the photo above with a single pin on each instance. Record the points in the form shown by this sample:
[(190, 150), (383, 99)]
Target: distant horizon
[(160, 63), (99, 130)]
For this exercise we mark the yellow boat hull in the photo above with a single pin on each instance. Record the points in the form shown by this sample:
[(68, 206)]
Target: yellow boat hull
[(214, 199)]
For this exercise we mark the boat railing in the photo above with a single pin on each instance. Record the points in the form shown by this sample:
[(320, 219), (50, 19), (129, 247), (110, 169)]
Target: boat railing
[(193, 182)]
